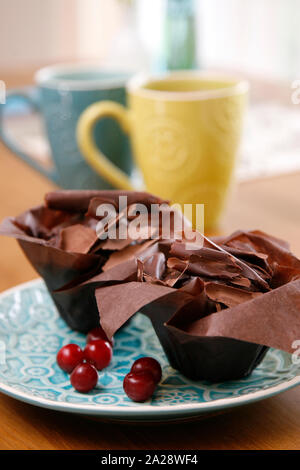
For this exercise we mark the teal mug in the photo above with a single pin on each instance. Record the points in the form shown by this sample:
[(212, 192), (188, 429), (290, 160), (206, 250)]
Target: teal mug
[(61, 94)]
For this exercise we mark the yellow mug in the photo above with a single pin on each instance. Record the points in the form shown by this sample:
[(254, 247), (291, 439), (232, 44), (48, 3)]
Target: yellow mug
[(185, 129)]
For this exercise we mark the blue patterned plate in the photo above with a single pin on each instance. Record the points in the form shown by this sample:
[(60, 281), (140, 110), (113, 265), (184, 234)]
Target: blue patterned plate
[(31, 332)]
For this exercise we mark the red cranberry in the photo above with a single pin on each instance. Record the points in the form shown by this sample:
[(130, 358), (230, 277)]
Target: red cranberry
[(98, 353), (69, 356), (84, 377), (139, 387), (148, 364), (98, 333)]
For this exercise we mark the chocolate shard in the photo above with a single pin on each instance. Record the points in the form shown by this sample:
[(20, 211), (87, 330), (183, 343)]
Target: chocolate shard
[(154, 266), (77, 238), (128, 253), (228, 295), (112, 197)]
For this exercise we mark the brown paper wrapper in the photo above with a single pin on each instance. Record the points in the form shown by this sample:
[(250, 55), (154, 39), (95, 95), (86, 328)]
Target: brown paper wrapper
[(56, 266), (213, 324)]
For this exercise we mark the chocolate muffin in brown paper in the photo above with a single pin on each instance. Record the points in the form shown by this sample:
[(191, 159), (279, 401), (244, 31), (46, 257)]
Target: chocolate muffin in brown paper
[(60, 240), (216, 309)]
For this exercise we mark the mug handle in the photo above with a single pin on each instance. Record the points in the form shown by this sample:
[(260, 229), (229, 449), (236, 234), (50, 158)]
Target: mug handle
[(87, 145), (29, 96)]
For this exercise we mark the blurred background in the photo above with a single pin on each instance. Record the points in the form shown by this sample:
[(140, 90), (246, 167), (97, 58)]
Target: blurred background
[(256, 38)]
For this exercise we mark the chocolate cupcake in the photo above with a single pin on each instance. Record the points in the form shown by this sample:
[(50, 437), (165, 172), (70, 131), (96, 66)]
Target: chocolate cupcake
[(61, 241), (216, 309)]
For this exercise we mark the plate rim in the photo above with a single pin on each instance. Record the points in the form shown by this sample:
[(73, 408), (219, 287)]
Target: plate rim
[(142, 410)]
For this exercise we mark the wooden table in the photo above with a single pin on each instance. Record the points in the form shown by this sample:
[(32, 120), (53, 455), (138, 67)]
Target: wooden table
[(271, 205)]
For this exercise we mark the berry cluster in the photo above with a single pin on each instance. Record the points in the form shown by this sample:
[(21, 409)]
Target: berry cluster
[(139, 384), (84, 364)]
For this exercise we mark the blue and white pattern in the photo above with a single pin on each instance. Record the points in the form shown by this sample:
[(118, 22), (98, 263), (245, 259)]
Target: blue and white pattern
[(31, 333)]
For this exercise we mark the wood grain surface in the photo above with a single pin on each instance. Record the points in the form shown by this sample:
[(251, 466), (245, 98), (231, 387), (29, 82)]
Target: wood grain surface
[(271, 205)]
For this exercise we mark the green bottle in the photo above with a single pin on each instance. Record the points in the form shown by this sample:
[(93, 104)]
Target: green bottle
[(179, 36)]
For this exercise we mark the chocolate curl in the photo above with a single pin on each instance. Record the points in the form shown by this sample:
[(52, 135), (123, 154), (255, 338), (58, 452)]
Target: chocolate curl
[(72, 200), (258, 259), (144, 229), (153, 269), (127, 253), (227, 295), (108, 244), (251, 273), (277, 250), (145, 232), (279, 261), (153, 266), (162, 221), (112, 197), (114, 221), (122, 271), (80, 200), (208, 263), (214, 257)]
